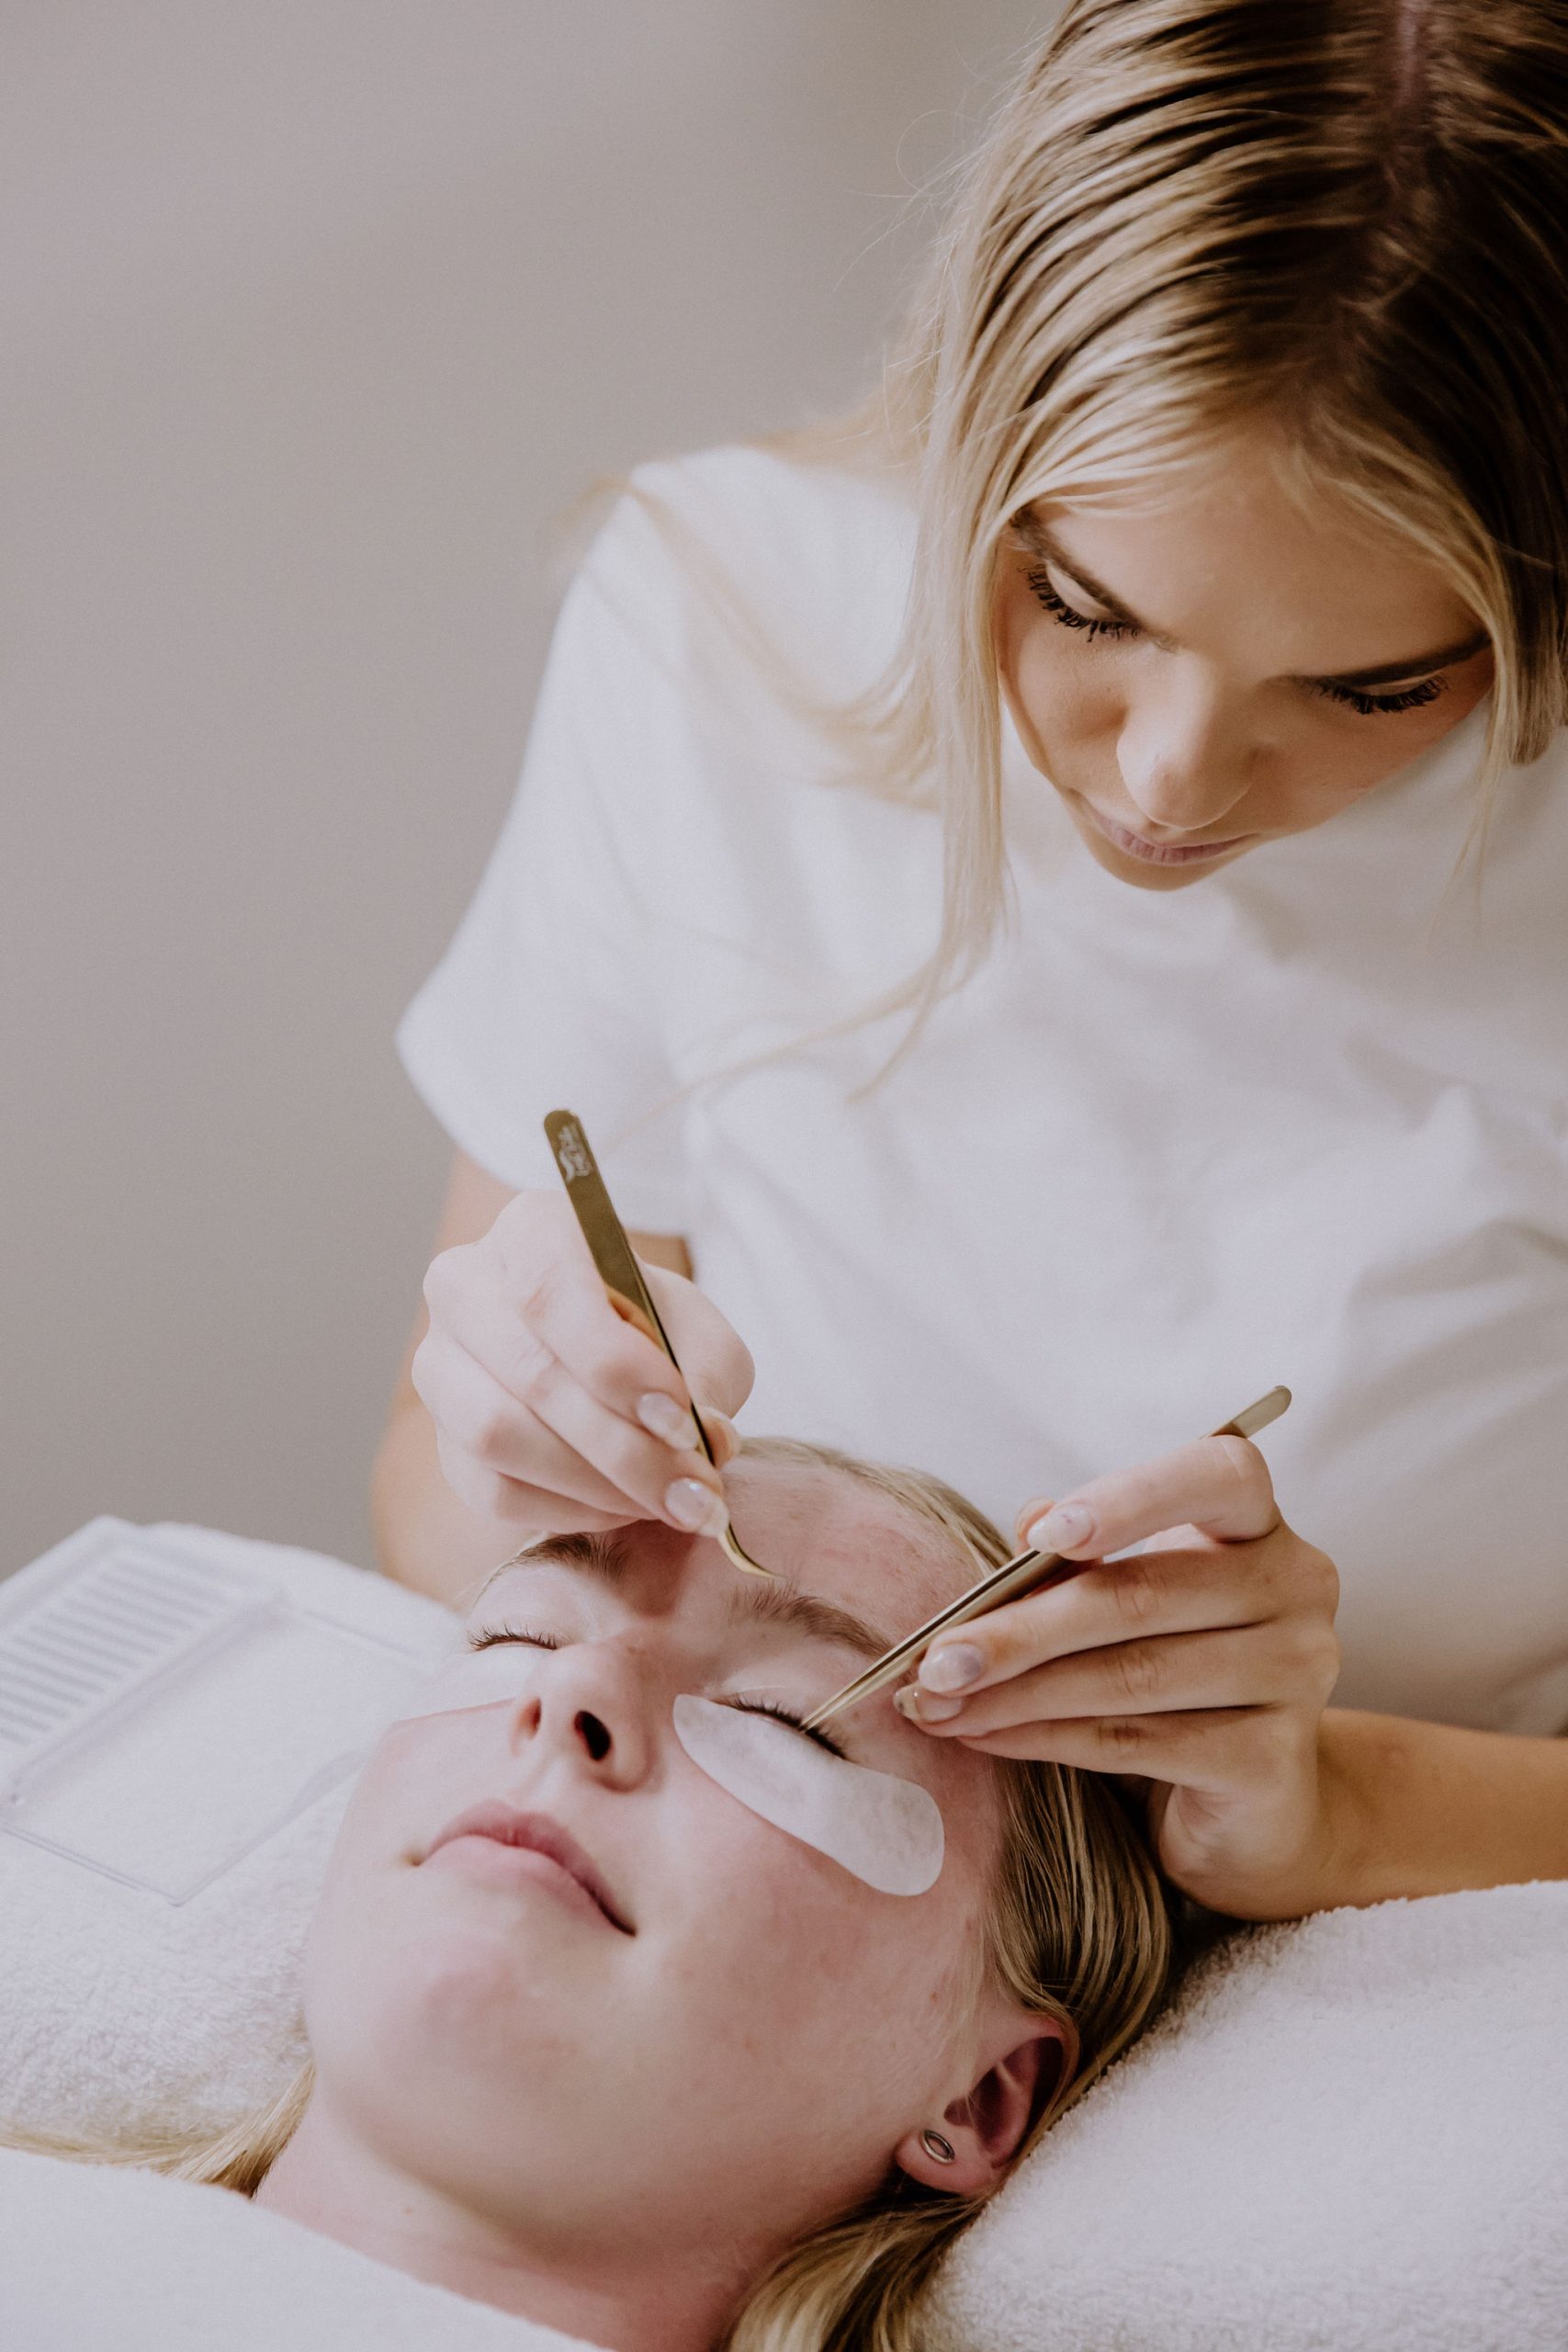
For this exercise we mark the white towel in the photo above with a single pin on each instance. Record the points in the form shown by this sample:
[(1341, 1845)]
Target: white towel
[(1350, 2135), (95, 2260), (119, 2012)]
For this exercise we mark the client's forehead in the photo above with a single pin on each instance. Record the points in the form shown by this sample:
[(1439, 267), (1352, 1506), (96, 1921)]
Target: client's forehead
[(852, 1563)]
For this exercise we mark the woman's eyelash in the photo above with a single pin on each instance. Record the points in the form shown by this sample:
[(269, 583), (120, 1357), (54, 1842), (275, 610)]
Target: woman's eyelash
[(1407, 698), (1352, 697), (782, 1715), (485, 1637), (1068, 615)]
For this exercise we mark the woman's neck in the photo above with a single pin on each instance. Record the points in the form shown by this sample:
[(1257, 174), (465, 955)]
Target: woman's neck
[(606, 2294)]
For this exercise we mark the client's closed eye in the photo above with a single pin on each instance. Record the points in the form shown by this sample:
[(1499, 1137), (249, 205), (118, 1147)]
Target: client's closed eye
[(485, 1637), (781, 1713)]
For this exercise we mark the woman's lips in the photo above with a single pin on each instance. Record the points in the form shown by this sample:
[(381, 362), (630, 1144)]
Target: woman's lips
[(1138, 845), (499, 1842)]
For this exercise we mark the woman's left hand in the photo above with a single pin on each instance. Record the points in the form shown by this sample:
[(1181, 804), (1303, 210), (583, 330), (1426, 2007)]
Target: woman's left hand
[(1201, 1666)]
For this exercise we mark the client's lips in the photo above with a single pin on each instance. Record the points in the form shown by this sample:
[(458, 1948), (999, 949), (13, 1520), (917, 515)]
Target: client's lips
[(535, 1833)]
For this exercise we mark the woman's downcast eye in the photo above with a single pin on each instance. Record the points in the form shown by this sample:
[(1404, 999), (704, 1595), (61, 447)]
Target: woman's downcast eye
[(1407, 697), (1069, 616), (1357, 699)]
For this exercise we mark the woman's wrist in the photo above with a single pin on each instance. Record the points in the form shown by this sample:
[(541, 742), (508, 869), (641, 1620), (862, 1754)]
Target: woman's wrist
[(1408, 1808)]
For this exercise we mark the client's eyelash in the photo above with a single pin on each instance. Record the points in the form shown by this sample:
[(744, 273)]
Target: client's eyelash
[(784, 1715), (486, 1636), (1069, 616), (1407, 698)]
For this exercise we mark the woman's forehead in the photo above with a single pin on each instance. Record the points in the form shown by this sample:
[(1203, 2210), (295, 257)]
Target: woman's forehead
[(851, 1564)]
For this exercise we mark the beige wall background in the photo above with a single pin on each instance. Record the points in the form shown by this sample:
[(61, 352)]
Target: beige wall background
[(317, 312)]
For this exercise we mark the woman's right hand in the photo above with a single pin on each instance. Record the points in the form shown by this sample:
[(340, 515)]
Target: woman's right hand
[(552, 1412)]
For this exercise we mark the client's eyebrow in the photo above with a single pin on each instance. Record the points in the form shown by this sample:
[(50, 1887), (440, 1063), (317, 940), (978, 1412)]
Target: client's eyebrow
[(808, 1613), (605, 1557), (1039, 543)]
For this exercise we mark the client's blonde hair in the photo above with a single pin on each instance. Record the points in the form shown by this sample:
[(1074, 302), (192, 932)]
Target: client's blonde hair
[(1079, 1930)]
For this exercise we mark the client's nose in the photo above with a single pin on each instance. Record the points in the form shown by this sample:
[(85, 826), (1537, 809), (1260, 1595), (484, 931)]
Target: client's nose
[(594, 1734), (597, 1702)]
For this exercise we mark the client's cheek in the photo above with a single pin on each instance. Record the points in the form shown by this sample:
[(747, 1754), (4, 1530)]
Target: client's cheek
[(884, 1830)]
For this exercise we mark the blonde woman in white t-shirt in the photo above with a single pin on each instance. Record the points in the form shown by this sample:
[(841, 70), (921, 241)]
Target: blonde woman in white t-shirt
[(988, 884)]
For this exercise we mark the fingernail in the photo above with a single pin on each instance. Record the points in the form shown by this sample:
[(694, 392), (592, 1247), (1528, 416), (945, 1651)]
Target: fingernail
[(1063, 1529), (695, 1506), (923, 1707), (953, 1667), (663, 1418)]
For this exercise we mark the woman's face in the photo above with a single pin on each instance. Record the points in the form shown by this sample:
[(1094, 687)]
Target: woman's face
[(1225, 669), (736, 2040)]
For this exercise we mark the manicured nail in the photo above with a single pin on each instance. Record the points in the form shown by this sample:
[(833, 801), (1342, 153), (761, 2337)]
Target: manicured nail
[(924, 1707), (695, 1506), (663, 1418), (954, 1667), (1063, 1528)]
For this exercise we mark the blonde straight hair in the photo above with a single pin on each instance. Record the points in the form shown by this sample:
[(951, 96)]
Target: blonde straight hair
[(1342, 219), (1079, 1930), (1345, 217)]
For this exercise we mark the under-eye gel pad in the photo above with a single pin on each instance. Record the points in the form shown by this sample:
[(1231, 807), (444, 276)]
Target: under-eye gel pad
[(476, 1679), (882, 1829)]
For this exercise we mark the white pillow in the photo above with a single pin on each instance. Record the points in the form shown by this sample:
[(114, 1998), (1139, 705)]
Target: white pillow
[(120, 2011), (1350, 2135)]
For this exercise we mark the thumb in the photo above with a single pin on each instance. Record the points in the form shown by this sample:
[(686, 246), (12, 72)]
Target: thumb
[(723, 1435)]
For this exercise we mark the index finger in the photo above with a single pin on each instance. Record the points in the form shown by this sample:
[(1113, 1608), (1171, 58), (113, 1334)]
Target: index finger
[(554, 1297), (1219, 1485)]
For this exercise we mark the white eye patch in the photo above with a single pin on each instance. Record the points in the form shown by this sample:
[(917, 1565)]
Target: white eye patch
[(476, 1679), (883, 1830)]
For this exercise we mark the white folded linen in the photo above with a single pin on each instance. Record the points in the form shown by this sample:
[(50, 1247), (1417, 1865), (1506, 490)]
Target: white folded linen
[(1350, 2135), (121, 2013), (92, 2257)]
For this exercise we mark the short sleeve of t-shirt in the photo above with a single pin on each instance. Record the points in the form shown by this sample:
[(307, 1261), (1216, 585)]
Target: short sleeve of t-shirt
[(549, 993)]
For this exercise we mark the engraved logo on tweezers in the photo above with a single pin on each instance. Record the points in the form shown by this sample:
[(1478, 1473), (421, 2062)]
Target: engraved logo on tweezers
[(571, 1152)]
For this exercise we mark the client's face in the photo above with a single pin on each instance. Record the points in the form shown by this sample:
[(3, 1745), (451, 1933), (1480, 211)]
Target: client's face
[(688, 2022)]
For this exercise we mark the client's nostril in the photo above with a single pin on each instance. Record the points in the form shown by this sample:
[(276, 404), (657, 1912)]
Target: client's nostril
[(593, 1734)]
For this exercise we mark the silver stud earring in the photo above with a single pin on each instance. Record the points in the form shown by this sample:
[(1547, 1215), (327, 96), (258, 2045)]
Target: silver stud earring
[(935, 2145)]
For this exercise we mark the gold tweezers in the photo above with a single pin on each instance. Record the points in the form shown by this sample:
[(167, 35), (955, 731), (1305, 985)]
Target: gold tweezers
[(622, 1276), (1026, 1572)]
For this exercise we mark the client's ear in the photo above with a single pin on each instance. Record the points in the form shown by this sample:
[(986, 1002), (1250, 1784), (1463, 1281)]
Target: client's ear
[(986, 2125)]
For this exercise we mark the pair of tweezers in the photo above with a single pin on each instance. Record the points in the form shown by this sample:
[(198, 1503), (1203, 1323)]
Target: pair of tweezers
[(619, 1270), (1026, 1572)]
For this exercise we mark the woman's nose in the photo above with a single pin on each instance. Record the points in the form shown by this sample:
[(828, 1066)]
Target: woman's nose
[(1184, 762), (594, 1703)]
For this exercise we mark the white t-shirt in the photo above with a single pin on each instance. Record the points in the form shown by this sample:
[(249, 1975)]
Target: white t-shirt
[(1306, 1121)]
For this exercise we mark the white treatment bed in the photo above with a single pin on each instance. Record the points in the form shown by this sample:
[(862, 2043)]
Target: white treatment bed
[(1350, 2133)]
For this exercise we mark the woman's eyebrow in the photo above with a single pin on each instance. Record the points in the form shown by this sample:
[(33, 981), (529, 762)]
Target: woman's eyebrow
[(604, 1556), (1388, 674), (808, 1613), (599, 1555), (1039, 541)]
